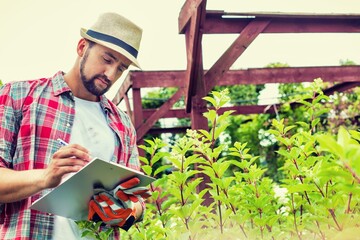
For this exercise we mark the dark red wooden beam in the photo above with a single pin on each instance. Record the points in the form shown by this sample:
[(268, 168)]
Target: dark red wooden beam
[(124, 88), (341, 87), (180, 129), (150, 79), (193, 36), (187, 11), (172, 113), (291, 75), (219, 22), (237, 48)]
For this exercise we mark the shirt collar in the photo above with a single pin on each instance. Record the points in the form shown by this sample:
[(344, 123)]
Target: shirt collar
[(104, 102), (59, 84)]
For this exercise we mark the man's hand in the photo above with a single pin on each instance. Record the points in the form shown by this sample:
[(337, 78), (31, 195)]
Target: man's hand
[(118, 207), (67, 159), (130, 195), (104, 207)]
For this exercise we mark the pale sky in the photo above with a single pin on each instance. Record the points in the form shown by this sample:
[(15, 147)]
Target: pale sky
[(39, 37)]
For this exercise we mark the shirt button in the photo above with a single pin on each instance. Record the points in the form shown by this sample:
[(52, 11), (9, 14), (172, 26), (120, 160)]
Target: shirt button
[(68, 124)]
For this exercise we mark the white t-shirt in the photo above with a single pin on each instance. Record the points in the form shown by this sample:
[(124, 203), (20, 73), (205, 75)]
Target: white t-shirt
[(90, 130)]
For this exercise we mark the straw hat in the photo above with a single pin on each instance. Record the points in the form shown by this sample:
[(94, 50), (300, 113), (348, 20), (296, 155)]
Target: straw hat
[(117, 33)]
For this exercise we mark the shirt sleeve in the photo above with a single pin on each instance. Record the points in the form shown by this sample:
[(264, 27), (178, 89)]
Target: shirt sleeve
[(134, 153), (9, 125), (8, 129), (130, 141)]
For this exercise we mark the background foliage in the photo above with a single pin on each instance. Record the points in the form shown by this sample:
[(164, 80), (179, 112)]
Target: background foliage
[(252, 129), (317, 196)]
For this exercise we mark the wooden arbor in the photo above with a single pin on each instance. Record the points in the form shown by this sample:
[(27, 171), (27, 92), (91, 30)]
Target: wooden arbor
[(195, 82)]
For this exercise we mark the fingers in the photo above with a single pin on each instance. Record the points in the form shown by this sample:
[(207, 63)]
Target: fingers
[(73, 151), (144, 192), (122, 196), (69, 162), (70, 158), (132, 182), (127, 191)]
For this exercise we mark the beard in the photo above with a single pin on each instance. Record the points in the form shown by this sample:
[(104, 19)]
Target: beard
[(89, 82)]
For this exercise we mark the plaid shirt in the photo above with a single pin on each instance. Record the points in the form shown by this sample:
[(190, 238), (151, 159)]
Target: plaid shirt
[(33, 114)]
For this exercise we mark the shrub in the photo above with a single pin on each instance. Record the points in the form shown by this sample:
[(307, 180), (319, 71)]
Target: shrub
[(318, 197)]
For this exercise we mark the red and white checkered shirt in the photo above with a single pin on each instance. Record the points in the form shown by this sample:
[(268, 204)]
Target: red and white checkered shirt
[(33, 115)]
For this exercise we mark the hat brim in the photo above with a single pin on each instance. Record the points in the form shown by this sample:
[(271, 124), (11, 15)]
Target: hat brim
[(111, 46)]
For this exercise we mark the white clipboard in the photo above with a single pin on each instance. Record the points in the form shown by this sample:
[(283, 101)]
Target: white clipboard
[(70, 199)]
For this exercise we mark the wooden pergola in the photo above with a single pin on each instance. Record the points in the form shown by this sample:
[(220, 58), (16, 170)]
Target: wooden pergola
[(194, 83)]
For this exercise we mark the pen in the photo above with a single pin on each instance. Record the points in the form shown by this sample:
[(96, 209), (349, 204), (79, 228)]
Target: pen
[(62, 142)]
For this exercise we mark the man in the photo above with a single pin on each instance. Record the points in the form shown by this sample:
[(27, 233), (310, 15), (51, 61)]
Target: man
[(70, 106)]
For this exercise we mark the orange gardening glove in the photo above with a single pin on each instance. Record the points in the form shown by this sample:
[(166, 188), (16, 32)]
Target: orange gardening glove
[(128, 193), (104, 207)]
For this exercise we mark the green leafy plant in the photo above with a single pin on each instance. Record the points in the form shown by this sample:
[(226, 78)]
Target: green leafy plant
[(94, 230), (198, 195)]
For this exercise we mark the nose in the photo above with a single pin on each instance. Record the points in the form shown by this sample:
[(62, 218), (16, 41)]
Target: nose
[(111, 73)]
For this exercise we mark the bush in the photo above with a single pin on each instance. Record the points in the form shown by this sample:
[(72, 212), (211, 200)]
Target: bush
[(317, 199)]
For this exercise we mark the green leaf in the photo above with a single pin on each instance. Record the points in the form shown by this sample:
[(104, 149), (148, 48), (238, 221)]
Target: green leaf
[(220, 129), (284, 141), (158, 156), (355, 134), (319, 98), (303, 124), (147, 169), (273, 132), (288, 128), (306, 103), (87, 233), (300, 188), (328, 143), (98, 224), (206, 134), (210, 100), (217, 94), (284, 153), (240, 164), (222, 168), (155, 195), (224, 116), (144, 160), (315, 122), (343, 136), (161, 169), (210, 115), (208, 171), (104, 235)]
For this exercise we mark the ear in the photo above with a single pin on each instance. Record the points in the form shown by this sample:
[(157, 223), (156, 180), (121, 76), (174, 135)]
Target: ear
[(81, 47)]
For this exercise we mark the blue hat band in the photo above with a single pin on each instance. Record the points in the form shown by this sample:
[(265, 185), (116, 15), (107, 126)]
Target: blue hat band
[(113, 40)]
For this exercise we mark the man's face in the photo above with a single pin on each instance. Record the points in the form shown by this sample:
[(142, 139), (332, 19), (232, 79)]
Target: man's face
[(100, 67)]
